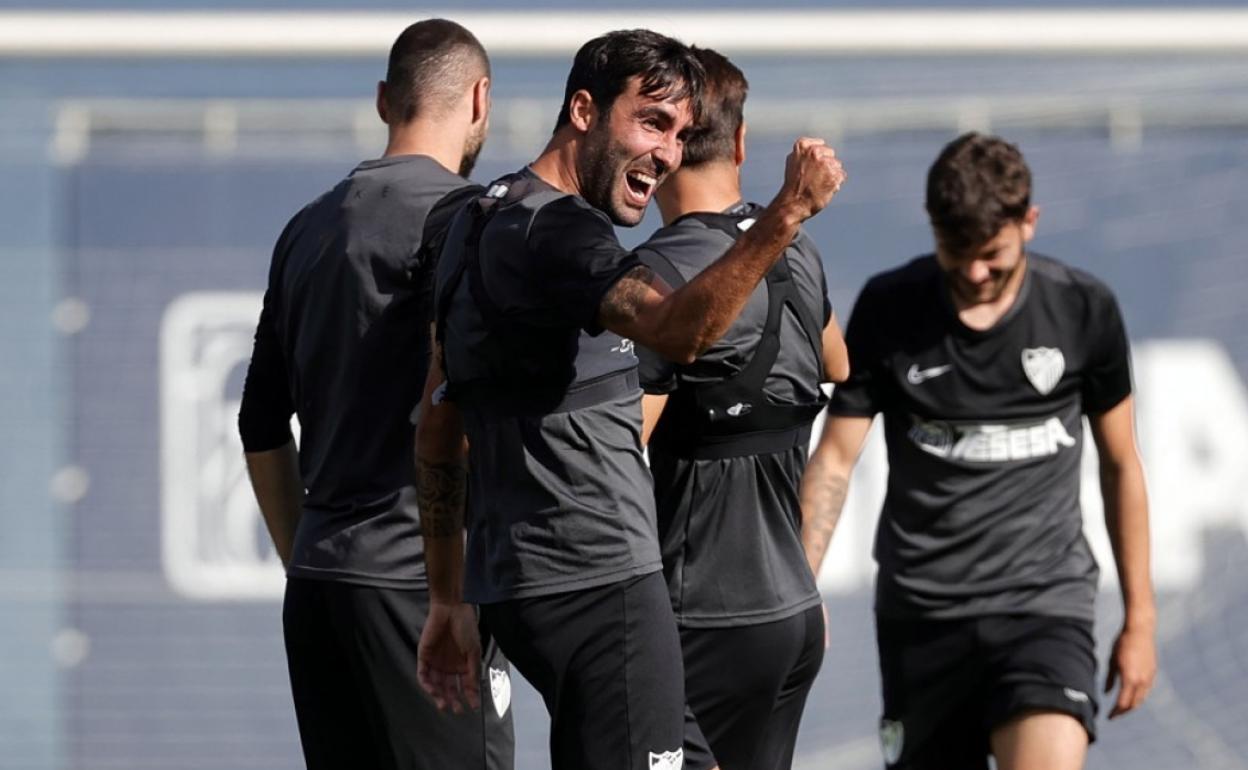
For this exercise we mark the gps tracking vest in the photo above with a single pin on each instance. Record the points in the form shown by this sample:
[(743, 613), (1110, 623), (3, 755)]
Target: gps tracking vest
[(734, 417), (485, 376)]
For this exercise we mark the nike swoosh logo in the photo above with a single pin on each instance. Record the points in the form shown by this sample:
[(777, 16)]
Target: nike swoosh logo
[(917, 376)]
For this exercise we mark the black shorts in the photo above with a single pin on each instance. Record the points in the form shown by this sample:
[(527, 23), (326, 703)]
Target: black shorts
[(351, 650), (606, 661), (949, 683), (747, 687)]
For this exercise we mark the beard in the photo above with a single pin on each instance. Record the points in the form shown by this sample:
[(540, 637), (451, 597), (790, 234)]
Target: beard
[(989, 291), (600, 167), (597, 166), (472, 148)]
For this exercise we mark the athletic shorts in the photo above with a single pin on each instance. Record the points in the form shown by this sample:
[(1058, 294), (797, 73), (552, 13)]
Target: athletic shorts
[(746, 687), (351, 650), (947, 684), (606, 661)]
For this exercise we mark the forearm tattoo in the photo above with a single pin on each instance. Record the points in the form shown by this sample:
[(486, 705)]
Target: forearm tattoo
[(826, 498), (623, 302), (441, 489)]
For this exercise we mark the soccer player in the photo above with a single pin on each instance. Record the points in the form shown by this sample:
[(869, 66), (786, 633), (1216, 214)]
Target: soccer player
[(339, 343), (984, 358), (538, 305), (729, 450)]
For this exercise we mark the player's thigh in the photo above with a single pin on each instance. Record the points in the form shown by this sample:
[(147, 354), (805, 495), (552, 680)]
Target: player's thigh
[(333, 727), (746, 686), (606, 662), (1040, 665), (931, 677), (780, 739), (380, 629), (1043, 740)]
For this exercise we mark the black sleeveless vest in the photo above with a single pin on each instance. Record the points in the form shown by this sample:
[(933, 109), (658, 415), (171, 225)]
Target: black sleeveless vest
[(734, 417)]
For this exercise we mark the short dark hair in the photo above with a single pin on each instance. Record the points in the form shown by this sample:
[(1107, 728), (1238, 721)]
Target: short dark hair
[(723, 110), (431, 63), (604, 65), (977, 185)]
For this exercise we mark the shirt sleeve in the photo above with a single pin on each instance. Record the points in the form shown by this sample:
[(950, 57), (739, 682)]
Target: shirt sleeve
[(264, 417), (579, 259), (860, 395), (438, 224), (1107, 375)]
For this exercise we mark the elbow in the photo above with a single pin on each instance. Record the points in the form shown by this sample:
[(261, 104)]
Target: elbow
[(686, 355), (680, 351), (439, 436)]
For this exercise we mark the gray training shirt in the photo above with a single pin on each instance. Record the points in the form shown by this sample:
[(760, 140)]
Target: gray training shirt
[(343, 342), (985, 437), (730, 527), (559, 499)]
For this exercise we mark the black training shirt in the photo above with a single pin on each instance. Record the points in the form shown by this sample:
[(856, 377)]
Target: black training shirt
[(730, 528), (985, 436), (343, 342), (559, 499)]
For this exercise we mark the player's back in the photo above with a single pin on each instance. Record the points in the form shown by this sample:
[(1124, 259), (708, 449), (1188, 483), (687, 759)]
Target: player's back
[(351, 302), (728, 511), (353, 322)]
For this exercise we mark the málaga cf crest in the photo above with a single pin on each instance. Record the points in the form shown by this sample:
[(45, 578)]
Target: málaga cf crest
[(500, 690), (668, 760), (1043, 367)]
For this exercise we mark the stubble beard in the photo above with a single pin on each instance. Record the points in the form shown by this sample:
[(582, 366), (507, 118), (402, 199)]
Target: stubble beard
[(472, 149), (597, 167)]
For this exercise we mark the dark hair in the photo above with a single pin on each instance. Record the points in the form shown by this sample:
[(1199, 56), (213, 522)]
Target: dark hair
[(431, 63), (977, 185), (714, 137), (604, 65)]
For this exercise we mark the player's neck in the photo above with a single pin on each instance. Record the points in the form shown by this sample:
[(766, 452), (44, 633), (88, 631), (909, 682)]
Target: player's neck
[(982, 316), (557, 166), (711, 187), (444, 144)]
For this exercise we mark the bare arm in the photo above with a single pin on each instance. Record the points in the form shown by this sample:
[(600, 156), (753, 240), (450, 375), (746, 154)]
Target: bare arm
[(826, 482), (679, 325), (1134, 660), (278, 485), (835, 354), (450, 647), (651, 411)]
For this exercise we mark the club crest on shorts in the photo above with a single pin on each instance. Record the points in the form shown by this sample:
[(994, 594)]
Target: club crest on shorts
[(668, 760), (892, 739), (1043, 367), (500, 690)]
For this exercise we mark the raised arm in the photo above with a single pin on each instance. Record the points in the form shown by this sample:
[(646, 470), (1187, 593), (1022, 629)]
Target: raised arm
[(1133, 664), (450, 645), (681, 324), (826, 482)]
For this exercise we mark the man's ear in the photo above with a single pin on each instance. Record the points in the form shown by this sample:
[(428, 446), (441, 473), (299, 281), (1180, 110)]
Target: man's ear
[(481, 100), (383, 110), (1029, 223), (739, 154), (582, 112)]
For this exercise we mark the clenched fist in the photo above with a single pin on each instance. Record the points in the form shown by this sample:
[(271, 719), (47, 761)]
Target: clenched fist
[(812, 175)]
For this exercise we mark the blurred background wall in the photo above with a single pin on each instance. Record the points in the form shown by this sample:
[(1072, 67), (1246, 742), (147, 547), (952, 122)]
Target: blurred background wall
[(141, 190)]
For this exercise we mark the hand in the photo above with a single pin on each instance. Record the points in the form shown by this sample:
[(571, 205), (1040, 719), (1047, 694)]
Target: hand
[(827, 632), (812, 175), (1133, 665), (449, 659)]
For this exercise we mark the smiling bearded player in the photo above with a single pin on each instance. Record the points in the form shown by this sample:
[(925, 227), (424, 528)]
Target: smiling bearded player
[(537, 302), (983, 359)]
